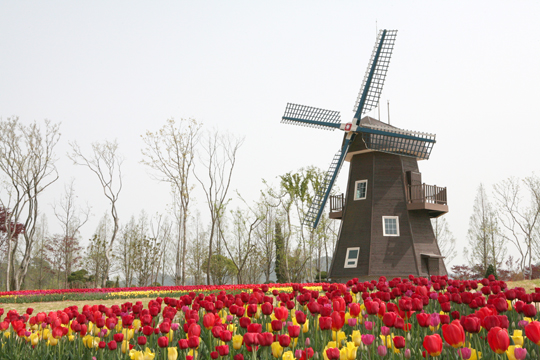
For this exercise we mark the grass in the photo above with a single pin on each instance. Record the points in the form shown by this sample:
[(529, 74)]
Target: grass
[(528, 285), (60, 305)]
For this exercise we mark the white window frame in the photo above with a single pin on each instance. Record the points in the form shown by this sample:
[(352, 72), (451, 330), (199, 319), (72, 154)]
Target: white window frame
[(347, 260), (356, 189), (384, 227)]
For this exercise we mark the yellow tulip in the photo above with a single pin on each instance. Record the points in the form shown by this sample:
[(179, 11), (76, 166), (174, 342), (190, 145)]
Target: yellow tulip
[(6, 334), (237, 341), (518, 337), (128, 333), (305, 327), (34, 338), (45, 333), (136, 323), (118, 326), (125, 346), (71, 337), (340, 336), (139, 355), (52, 340), (509, 304), (172, 353), (350, 351), (357, 337), (269, 328), (475, 354), (288, 356), (231, 328), (277, 350), (331, 344)]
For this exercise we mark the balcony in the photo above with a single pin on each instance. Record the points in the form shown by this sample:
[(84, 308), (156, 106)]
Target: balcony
[(337, 203), (427, 197)]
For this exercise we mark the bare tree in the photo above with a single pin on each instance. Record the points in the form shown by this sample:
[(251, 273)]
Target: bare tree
[(170, 152), (520, 221), (485, 240), (219, 160), (27, 160), (71, 218), (106, 164), (445, 238), (242, 246)]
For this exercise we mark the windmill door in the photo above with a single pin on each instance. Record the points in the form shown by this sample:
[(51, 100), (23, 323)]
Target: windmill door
[(414, 185)]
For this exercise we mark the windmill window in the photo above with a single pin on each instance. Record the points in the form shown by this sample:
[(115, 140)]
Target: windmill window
[(351, 259), (360, 188), (390, 225)]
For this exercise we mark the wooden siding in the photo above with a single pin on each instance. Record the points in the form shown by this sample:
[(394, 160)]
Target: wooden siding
[(362, 224)]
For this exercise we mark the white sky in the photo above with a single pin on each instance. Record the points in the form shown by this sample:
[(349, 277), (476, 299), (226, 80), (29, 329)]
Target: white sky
[(467, 71)]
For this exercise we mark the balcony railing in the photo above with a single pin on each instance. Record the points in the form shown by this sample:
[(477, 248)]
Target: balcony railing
[(431, 194), (337, 202)]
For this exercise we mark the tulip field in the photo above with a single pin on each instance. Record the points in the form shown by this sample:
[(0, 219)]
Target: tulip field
[(410, 318)]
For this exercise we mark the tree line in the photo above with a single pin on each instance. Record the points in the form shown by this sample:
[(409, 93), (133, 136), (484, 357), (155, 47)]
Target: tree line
[(248, 243)]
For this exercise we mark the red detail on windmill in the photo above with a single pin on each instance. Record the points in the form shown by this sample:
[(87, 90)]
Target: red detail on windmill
[(348, 126)]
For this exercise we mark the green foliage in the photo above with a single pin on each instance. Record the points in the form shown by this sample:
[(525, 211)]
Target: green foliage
[(280, 254), (491, 271), (221, 269), (78, 279)]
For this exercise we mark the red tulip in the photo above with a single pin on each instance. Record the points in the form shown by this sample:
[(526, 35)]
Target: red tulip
[(433, 344), (332, 353), (281, 313), (194, 331), (498, 340), (254, 328), (325, 323), (529, 310), (112, 345), (265, 339), (389, 319), (223, 350), (192, 342), (423, 319), (277, 325), (163, 341), (500, 304), (338, 320), (454, 334), (300, 317), (532, 331), (284, 340), (399, 342), (471, 324), (251, 339), (294, 330), (182, 343), (267, 308), (141, 340), (118, 337)]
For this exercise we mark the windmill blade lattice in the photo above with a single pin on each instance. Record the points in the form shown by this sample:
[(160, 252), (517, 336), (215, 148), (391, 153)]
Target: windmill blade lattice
[(317, 206), (370, 92), (311, 117)]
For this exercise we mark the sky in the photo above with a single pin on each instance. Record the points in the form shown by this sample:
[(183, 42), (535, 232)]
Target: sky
[(466, 71)]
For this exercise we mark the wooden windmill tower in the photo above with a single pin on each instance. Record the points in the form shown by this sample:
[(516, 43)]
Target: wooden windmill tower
[(386, 211)]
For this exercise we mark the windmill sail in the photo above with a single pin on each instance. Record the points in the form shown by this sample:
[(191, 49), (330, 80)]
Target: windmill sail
[(311, 117), (370, 91), (316, 208)]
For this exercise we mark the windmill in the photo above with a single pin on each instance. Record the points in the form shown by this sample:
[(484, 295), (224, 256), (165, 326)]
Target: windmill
[(386, 211)]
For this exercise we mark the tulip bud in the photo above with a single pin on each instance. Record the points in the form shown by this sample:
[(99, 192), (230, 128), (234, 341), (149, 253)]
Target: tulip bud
[(381, 350)]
